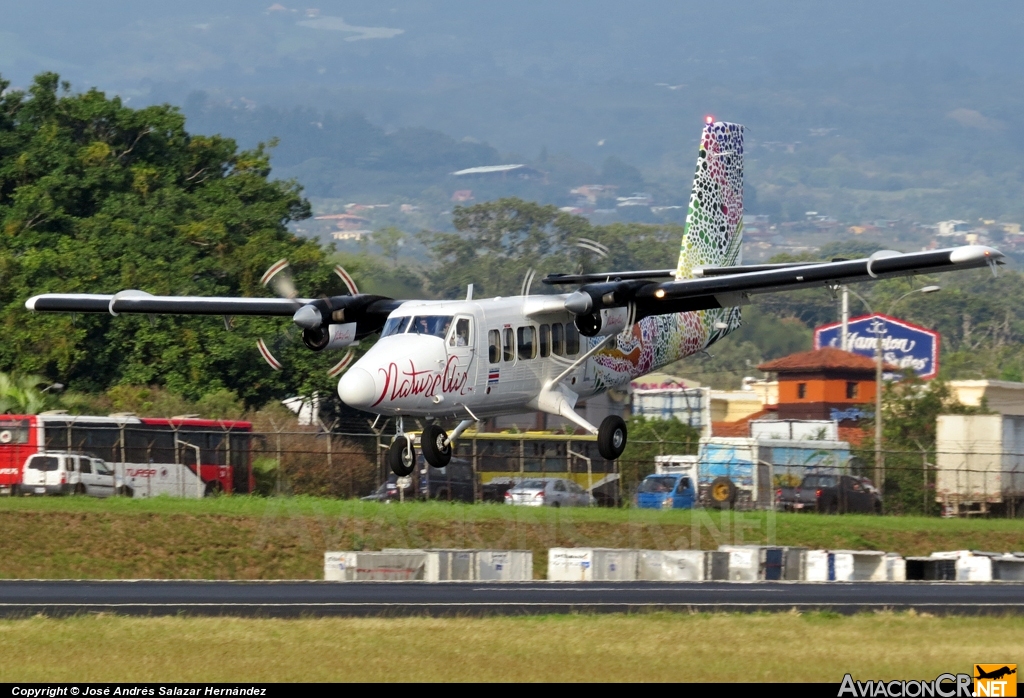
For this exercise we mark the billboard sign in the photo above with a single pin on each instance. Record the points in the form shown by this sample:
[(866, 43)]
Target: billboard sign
[(903, 344)]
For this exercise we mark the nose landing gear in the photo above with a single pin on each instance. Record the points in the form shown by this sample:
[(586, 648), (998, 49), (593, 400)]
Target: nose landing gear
[(402, 454)]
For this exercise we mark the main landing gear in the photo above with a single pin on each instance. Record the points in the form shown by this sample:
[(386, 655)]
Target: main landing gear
[(611, 437)]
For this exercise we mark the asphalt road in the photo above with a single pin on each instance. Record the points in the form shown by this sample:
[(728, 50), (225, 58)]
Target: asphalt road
[(22, 598)]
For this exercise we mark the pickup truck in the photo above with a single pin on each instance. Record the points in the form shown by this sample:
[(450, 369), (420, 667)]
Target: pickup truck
[(830, 494)]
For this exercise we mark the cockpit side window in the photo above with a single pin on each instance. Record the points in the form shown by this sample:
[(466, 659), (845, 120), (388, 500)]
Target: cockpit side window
[(462, 334), (395, 325)]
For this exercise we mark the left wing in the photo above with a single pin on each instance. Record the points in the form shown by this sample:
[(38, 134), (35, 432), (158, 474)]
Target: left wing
[(723, 287)]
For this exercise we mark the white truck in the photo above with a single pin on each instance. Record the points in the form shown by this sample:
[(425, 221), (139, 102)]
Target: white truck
[(980, 464), (67, 473)]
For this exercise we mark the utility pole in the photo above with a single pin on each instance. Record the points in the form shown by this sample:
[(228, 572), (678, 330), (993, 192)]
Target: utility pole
[(845, 339)]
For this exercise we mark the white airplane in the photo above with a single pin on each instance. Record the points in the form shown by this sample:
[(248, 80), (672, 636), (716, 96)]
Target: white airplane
[(469, 359)]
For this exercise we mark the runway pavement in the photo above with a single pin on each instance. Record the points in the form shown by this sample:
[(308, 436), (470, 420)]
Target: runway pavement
[(22, 598)]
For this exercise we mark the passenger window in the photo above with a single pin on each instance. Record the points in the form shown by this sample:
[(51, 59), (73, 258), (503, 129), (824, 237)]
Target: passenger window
[(559, 486), (510, 346), (494, 346), (460, 337), (572, 339), (87, 466), (527, 342), (545, 340), (557, 344)]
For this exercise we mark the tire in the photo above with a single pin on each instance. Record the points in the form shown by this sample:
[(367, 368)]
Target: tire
[(80, 489), (611, 437), (556, 505), (213, 489), (15, 491), (401, 457), (722, 493), (432, 445)]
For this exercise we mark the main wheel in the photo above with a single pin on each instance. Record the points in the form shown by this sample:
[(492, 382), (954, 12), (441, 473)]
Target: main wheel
[(401, 457), (435, 451), (722, 493), (611, 437)]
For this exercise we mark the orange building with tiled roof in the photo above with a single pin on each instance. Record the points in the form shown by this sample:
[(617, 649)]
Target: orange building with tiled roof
[(825, 383)]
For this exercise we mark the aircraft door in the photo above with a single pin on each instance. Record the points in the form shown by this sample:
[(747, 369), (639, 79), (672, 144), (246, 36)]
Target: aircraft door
[(460, 371)]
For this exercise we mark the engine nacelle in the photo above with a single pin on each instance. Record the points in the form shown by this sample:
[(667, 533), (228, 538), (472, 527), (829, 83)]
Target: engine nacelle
[(330, 337), (603, 322)]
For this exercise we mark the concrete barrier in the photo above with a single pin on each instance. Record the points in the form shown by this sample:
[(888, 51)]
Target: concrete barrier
[(683, 565), (374, 566), (592, 564), (751, 563), (853, 566), (458, 564)]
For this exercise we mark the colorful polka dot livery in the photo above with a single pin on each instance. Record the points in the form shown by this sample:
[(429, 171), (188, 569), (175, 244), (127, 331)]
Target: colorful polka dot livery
[(712, 238)]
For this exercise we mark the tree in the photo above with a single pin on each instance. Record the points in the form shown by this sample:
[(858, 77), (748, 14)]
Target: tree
[(390, 241), (22, 394), (96, 197)]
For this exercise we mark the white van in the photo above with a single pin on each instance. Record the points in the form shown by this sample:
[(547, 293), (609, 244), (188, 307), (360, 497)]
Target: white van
[(66, 473)]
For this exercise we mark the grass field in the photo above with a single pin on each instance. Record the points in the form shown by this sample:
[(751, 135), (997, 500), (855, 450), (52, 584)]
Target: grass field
[(285, 538), (653, 647)]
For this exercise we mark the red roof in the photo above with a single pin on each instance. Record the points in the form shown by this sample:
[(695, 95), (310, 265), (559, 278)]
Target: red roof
[(824, 359)]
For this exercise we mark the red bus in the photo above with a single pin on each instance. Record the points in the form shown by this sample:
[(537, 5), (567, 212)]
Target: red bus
[(148, 456)]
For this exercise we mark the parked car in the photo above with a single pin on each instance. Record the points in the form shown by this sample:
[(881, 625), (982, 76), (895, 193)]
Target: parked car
[(453, 483), (548, 491), (494, 491), (388, 491), (670, 491), (67, 473), (830, 494)]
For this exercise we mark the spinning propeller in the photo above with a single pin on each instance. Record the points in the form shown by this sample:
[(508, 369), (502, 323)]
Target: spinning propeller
[(317, 332)]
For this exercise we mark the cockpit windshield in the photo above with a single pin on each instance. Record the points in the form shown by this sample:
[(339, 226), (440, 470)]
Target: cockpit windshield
[(434, 325), (395, 325)]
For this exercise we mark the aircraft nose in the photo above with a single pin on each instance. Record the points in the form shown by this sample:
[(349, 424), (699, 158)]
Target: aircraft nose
[(357, 389)]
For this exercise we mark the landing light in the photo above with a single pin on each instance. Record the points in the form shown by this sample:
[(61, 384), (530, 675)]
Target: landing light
[(709, 119), (660, 293)]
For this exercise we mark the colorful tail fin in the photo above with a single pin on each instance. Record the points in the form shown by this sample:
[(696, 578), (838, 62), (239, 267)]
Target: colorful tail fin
[(714, 222)]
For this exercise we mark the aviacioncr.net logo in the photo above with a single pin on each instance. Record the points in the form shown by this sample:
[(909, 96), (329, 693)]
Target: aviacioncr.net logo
[(942, 686)]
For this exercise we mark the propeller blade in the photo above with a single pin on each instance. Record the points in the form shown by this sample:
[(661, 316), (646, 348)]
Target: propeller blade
[(267, 356), (349, 283), (527, 281), (279, 279), (339, 367)]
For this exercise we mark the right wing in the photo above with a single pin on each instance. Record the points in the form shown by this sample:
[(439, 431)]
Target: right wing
[(723, 287)]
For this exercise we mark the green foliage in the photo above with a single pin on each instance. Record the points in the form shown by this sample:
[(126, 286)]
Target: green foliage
[(649, 438), (23, 394), (495, 243), (97, 197)]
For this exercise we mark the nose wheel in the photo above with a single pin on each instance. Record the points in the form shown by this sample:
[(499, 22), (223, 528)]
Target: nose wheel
[(402, 456), (437, 450), (611, 437)]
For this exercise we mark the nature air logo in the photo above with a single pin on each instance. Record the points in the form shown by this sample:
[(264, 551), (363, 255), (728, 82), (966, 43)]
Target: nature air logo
[(995, 680)]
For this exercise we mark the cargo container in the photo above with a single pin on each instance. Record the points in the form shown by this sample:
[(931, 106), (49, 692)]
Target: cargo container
[(980, 464)]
